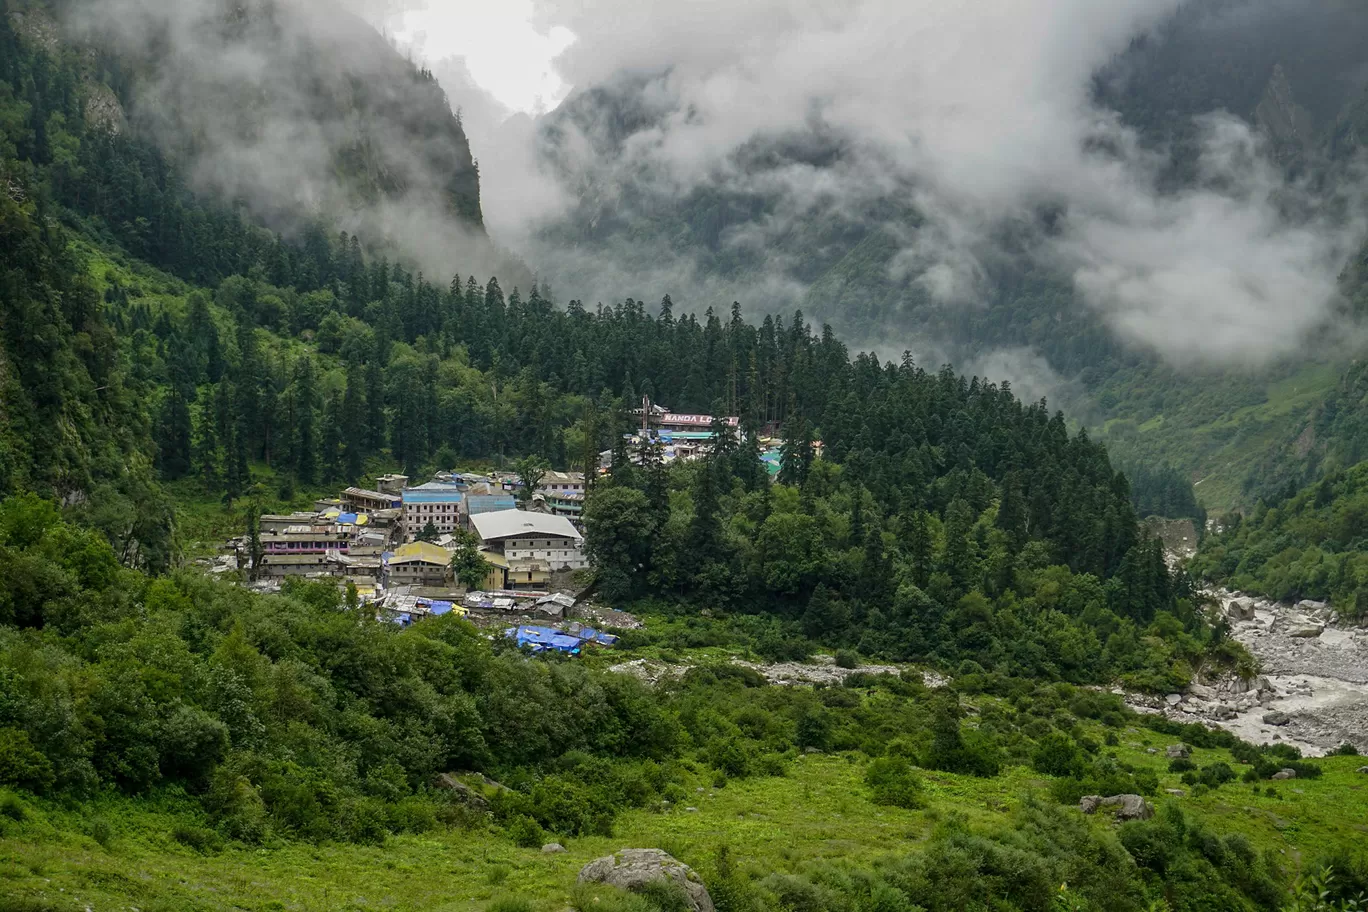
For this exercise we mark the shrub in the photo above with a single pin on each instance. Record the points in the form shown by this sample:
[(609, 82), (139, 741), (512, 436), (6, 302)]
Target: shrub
[(847, 658), (22, 764), (525, 832), (1181, 765), (99, 830), (1058, 755), (198, 838), (597, 897), (1345, 750), (511, 904), (12, 808), (893, 782)]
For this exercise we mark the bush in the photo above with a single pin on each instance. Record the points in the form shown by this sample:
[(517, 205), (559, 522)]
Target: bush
[(1058, 755), (99, 830), (525, 832), (198, 838), (511, 904), (847, 658), (12, 808), (893, 782), (1345, 750), (1181, 765), (597, 897), (22, 764)]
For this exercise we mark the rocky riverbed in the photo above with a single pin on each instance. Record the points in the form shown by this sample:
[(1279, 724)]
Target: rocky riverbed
[(1313, 692)]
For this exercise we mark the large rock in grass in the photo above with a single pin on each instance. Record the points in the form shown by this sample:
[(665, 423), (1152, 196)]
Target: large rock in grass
[(1179, 751), (1128, 807), (634, 869)]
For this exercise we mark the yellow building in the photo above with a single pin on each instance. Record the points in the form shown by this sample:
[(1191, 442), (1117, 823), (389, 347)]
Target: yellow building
[(419, 564)]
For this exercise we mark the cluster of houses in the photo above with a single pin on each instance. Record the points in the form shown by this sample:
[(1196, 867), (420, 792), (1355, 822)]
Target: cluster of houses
[(396, 540)]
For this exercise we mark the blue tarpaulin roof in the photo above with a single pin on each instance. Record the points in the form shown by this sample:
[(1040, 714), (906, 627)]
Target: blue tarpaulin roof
[(542, 638), (441, 608), (347, 519)]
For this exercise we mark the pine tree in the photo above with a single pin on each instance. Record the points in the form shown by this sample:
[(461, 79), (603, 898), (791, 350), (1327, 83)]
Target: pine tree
[(375, 407), (330, 446), (305, 439), (206, 448), (353, 429), (795, 458), (255, 551)]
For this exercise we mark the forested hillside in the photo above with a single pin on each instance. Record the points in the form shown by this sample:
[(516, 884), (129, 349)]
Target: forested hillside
[(158, 728), (1307, 545), (1292, 71)]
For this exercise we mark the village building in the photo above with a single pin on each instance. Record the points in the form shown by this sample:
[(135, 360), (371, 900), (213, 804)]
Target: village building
[(558, 483), (419, 564), (523, 536), (439, 504), (695, 423), (360, 500), (482, 499), (280, 566), (393, 485), (277, 522), (528, 575), (307, 539)]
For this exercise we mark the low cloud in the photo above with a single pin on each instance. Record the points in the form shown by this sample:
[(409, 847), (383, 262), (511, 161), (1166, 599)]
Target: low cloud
[(971, 116), (299, 109)]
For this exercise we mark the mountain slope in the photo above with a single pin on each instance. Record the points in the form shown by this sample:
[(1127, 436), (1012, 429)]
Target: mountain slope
[(809, 218)]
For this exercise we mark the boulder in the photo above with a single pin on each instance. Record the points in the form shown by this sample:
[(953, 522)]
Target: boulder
[(1173, 699), (1276, 718), (1202, 692), (464, 793), (1284, 774), (1310, 605), (1363, 769), (1179, 751), (1128, 807), (1224, 713), (1306, 631), (1240, 610), (633, 869), (552, 848)]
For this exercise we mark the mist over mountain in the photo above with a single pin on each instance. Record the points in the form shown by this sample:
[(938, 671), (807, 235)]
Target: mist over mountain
[(958, 180), (299, 111)]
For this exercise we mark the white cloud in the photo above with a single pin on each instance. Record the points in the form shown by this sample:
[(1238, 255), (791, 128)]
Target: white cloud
[(974, 114)]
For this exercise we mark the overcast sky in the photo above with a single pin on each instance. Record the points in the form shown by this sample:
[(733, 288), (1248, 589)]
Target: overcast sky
[(977, 115), (505, 53)]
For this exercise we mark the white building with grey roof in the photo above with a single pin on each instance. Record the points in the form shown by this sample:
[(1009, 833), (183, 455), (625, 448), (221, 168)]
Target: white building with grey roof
[(522, 536)]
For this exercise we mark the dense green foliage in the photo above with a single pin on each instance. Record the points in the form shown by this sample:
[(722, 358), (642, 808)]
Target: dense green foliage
[(1163, 491), (1312, 545), (920, 534), (297, 717)]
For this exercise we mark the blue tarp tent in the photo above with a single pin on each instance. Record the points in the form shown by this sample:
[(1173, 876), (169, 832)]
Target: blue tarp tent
[(347, 519), (540, 639), (441, 608)]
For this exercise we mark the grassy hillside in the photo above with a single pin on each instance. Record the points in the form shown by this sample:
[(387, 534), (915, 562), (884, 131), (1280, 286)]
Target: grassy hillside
[(1237, 437), (116, 853)]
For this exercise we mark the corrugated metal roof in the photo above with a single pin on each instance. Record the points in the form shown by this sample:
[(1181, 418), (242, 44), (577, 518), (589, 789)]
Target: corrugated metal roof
[(444, 496), (374, 495), (421, 551), (508, 523), (489, 503)]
